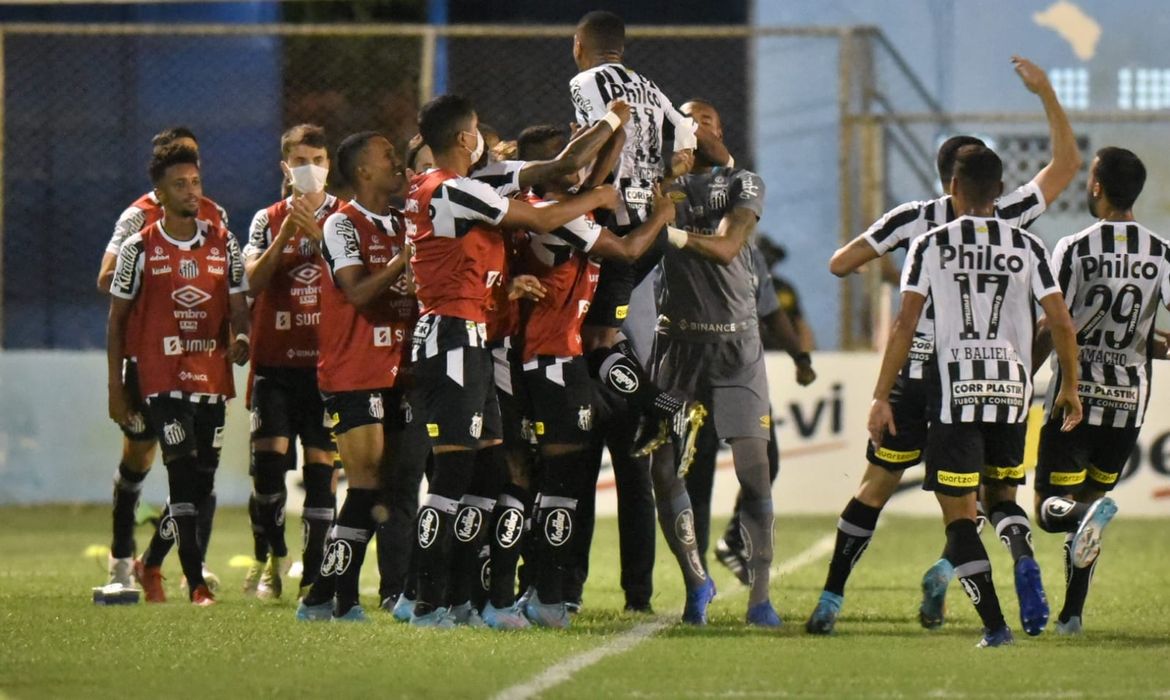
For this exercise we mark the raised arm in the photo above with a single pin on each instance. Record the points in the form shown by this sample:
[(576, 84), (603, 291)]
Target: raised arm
[(1066, 157), (523, 215), (580, 152)]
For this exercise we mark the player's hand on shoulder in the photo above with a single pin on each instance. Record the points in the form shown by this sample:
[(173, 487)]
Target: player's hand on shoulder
[(525, 286), (682, 162), (881, 421), (1034, 77), (621, 109)]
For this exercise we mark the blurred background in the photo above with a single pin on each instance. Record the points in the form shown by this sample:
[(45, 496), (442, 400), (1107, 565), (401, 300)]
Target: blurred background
[(839, 105)]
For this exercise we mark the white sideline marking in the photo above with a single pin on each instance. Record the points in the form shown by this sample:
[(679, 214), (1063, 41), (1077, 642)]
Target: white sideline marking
[(565, 670)]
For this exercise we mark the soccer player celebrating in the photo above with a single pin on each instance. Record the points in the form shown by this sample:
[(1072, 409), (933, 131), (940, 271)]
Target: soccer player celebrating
[(709, 348), (366, 315), (555, 378), (982, 274), (1114, 274), (181, 282), (914, 388), (598, 46), (455, 224), (283, 263), (139, 441)]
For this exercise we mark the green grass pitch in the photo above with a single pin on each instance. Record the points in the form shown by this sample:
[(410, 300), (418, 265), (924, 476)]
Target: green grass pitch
[(56, 643)]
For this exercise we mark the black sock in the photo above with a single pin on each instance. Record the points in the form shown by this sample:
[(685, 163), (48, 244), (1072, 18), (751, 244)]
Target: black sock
[(973, 569), (268, 491), (259, 537), (162, 540), (854, 530), (1077, 581), (320, 502), (470, 537), (206, 518), (184, 481), (619, 370), (436, 517), (507, 530), (1060, 514), (1012, 526), (347, 546), (127, 487)]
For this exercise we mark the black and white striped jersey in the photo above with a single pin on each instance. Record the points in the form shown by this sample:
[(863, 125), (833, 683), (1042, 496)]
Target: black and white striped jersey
[(902, 224), (501, 175), (649, 132), (982, 275), (1114, 276)]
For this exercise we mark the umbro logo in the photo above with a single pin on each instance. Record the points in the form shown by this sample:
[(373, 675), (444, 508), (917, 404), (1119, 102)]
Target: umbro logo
[(189, 296), (306, 274)]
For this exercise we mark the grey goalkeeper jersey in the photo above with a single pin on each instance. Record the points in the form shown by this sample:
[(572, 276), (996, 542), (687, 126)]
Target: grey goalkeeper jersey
[(702, 299)]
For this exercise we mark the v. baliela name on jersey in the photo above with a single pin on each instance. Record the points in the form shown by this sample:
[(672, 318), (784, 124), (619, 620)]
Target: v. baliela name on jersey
[(985, 353)]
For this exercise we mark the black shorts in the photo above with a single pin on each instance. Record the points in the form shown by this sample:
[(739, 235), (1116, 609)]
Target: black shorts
[(457, 396), (138, 428), (286, 403), (960, 455), (353, 409), (1088, 456), (512, 394), (611, 301), (914, 403), (561, 398), (188, 427)]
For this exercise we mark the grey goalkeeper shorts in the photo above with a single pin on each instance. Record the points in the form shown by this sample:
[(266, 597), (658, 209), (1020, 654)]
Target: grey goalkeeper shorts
[(727, 375)]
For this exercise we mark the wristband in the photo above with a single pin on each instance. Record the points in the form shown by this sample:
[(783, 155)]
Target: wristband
[(614, 121), (677, 237), (730, 161), (243, 337), (802, 358)]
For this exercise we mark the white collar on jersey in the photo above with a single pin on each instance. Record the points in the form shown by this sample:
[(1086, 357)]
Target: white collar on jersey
[(195, 242), (325, 205), (386, 219)]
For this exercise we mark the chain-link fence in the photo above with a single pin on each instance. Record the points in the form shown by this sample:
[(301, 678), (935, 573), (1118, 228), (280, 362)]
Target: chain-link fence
[(80, 104)]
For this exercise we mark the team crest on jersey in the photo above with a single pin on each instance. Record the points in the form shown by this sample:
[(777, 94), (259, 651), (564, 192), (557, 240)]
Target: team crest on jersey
[(306, 248), (173, 433), (468, 523), (585, 418), (428, 526), (476, 427), (558, 527), (188, 268), (189, 296), (376, 409), (256, 422), (684, 526), (509, 527), (338, 556), (717, 199)]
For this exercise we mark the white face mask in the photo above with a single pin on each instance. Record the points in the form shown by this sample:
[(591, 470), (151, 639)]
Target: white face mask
[(308, 179), (475, 155)]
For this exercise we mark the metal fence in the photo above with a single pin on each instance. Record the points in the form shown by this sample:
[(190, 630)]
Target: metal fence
[(851, 120)]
